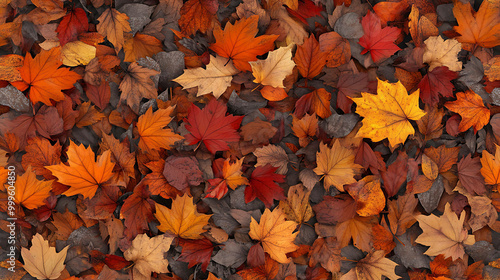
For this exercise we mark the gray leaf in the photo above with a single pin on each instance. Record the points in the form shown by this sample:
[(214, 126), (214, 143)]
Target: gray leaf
[(14, 98), (338, 126), (472, 73), (349, 26), (222, 216), (233, 254), (139, 15), (171, 65), (239, 106), (430, 199), (411, 255)]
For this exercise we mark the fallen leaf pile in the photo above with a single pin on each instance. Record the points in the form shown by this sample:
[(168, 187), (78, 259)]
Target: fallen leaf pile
[(254, 140)]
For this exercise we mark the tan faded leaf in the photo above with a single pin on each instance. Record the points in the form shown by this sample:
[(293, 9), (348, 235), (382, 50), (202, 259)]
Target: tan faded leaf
[(42, 261), (297, 207), (273, 155), (273, 70), (439, 52)]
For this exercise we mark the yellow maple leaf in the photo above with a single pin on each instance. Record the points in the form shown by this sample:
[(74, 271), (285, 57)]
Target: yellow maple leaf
[(31, 192), (77, 53), (275, 233), (83, 175), (42, 261), (273, 70), (154, 135), (112, 24), (147, 255), (297, 207), (183, 219), (337, 165), (216, 78), (445, 235), (232, 174), (388, 114)]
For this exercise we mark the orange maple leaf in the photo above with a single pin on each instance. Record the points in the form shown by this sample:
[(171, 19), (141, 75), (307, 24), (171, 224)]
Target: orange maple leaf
[(154, 135), (470, 107), (31, 192), (83, 175), (44, 77), (238, 42), (483, 28)]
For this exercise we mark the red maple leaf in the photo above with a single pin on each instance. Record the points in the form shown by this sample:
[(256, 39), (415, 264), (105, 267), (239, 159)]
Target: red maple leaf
[(137, 210), (196, 251), (72, 25), (377, 40), (437, 81), (307, 9), (263, 185), (211, 126)]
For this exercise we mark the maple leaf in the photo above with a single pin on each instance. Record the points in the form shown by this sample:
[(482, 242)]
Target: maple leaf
[(40, 153), (113, 24), (481, 28), (216, 78), (147, 255), (469, 174), (183, 219), (296, 206), (275, 234), (437, 81), (263, 185), (137, 84), (151, 129), (326, 251), (41, 260), (421, 27), (196, 251), (156, 181), (197, 15), (430, 125), (388, 114), (368, 195), (335, 209), (122, 157), (336, 47), (305, 128), (470, 107), (31, 192), (359, 229), (372, 267), (309, 58), (401, 215), (273, 70), (445, 235), (350, 86), (83, 175), (238, 42), (317, 102), (231, 176), (491, 167), (439, 52), (44, 77), (337, 166), (377, 40), (268, 270), (211, 126), (273, 155), (72, 24), (66, 223)]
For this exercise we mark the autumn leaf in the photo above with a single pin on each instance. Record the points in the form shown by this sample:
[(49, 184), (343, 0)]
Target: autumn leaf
[(297, 207), (41, 260), (437, 82), (309, 58), (216, 78), (368, 195), (196, 252), (147, 255), (211, 126), (263, 185), (182, 219), (481, 28), (273, 70), (197, 15), (377, 40), (151, 129), (9, 65), (439, 52), (44, 78), (401, 211), (83, 175), (317, 102), (122, 157), (445, 235), (326, 251), (113, 25), (336, 47), (275, 234), (238, 42), (388, 114), (470, 107), (273, 155), (359, 229), (231, 176), (305, 128), (491, 167), (336, 165), (373, 267), (72, 24), (31, 192), (137, 211), (40, 153), (469, 173), (77, 53), (421, 27), (137, 84), (141, 45)]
